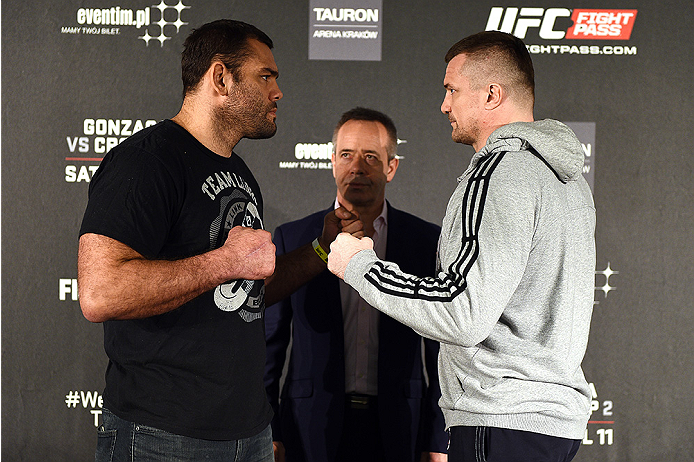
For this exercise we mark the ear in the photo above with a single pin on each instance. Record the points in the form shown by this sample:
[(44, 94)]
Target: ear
[(392, 168), (495, 94), (220, 78)]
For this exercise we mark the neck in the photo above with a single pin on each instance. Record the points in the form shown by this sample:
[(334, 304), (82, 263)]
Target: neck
[(199, 122)]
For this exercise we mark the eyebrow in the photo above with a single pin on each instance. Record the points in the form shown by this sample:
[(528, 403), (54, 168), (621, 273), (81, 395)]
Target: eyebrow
[(271, 71), (366, 151)]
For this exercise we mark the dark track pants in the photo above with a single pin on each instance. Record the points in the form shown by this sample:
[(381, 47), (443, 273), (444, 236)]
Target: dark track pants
[(488, 444)]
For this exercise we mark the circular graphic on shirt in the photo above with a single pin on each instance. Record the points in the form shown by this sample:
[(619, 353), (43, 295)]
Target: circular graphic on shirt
[(236, 209), (242, 295)]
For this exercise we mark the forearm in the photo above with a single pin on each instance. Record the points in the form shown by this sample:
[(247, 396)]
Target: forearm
[(292, 270), (443, 308), (134, 287), (296, 268), (116, 282)]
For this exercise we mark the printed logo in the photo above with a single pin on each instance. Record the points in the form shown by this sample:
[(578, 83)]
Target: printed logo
[(552, 24), (67, 287), (236, 209), (315, 156), (585, 132), (345, 34), (91, 400), (97, 137), (310, 156), (510, 21), (602, 24), (600, 426), (156, 23), (604, 285)]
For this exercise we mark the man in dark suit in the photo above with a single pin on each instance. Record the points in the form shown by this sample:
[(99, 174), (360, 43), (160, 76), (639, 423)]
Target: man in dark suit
[(355, 387)]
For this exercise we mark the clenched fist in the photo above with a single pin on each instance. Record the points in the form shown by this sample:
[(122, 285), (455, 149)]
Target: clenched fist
[(343, 248), (338, 221), (249, 253)]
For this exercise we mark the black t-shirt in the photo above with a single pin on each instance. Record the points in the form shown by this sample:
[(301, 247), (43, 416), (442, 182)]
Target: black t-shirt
[(197, 370)]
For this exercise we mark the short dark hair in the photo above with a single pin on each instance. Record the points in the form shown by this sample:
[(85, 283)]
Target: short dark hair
[(509, 58), (371, 115), (225, 40)]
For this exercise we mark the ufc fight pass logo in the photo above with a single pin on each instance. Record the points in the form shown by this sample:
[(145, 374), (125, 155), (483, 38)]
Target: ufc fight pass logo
[(563, 23)]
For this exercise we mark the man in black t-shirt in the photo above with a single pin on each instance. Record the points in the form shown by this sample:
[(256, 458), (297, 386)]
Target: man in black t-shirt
[(174, 260)]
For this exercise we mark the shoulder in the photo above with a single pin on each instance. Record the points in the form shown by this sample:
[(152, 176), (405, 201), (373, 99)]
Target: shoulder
[(161, 132), (512, 187), (144, 150), (513, 165), (164, 140), (512, 174)]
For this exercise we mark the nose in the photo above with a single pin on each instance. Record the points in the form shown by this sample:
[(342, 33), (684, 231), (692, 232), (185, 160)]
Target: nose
[(445, 105), (357, 165), (276, 94)]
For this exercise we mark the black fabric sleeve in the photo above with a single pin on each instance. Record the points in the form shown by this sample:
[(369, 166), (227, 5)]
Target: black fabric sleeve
[(132, 199)]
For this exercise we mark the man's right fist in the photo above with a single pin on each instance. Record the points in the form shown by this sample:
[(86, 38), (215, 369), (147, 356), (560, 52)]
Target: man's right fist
[(250, 253), (343, 248)]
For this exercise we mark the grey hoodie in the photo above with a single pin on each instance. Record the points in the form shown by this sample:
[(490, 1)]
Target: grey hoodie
[(512, 301)]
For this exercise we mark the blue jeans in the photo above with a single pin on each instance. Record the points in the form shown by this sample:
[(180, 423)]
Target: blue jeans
[(121, 441)]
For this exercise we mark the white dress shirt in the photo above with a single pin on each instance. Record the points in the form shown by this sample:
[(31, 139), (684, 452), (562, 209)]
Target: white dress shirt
[(360, 322)]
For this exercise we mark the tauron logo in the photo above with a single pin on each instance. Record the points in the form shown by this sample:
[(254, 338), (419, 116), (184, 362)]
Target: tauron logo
[(347, 14), (345, 34), (555, 23)]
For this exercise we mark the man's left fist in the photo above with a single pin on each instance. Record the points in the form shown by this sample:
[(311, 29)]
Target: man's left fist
[(343, 248)]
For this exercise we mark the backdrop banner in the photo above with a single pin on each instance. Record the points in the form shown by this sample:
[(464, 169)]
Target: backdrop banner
[(79, 77)]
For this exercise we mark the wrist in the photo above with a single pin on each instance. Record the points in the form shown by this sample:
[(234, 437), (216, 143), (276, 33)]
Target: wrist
[(320, 251)]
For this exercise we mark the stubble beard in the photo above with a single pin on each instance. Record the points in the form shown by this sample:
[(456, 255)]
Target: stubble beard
[(466, 136), (245, 115)]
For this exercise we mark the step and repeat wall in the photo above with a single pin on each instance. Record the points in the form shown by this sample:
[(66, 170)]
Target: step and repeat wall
[(78, 77)]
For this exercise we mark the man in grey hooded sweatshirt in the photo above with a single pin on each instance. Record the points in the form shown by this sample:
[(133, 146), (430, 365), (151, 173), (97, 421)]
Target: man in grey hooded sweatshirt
[(512, 301)]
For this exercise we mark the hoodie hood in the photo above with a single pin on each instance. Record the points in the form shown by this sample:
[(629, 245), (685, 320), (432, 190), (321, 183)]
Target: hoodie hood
[(554, 141)]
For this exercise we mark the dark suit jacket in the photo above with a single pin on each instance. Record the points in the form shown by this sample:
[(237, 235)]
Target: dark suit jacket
[(308, 418)]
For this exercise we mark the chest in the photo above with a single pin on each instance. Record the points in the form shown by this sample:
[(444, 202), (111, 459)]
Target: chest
[(213, 201)]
